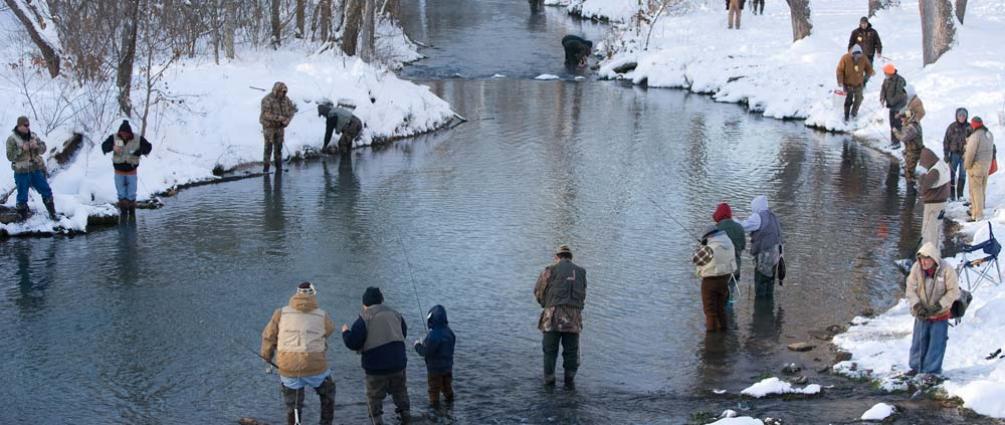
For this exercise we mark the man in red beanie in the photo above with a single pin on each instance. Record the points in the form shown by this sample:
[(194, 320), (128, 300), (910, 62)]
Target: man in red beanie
[(723, 217), (977, 156)]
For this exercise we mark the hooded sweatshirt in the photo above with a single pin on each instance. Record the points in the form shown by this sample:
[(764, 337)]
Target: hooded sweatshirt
[(934, 185), (438, 346), (851, 72), (941, 288), (765, 231), (297, 335), (276, 107)]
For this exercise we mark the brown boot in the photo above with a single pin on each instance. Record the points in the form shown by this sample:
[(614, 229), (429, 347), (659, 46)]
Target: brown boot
[(50, 206), (132, 208)]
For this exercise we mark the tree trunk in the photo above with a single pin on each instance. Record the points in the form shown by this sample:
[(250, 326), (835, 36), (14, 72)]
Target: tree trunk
[(802, 26), (353, 16), (277, 26), (301, 5), (127, 55), (229, 27), (368, 31), (392, 8), (875, 6), (48, 48), (325, 20), (937, 29), (961, 10)]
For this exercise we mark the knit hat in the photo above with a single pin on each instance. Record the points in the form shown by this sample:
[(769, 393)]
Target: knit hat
[(372, 296), (125, 128), (889, 69), (22, 120), (856, 49), (962, 112), (563, 249), (307, 288), (722, 212), (864, 20), (976, 123)]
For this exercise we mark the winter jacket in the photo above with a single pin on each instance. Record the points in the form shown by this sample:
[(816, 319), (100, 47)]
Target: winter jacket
[(736, 234), (297, 335), (438, 346), (910, 135), (129, 159), (276, 108), (916, 106), (956, 138), (853, 73), (979, 151), (379, 335), (868, 38), (716, 257), (561, 292), (741, 4), (765, 230), (941, 289), (23, 159), (934, 184), (893, 92)]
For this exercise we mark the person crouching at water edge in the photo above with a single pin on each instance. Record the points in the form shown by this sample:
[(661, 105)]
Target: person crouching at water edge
[(561, 292), (765, 245), (297, 335), (127, 149), (379, 335), (715, 262), (931, 289)]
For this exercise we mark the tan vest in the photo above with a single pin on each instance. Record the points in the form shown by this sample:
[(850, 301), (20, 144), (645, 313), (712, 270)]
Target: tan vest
[(301, 332), (723, 257), (127, 156), (943, 170)]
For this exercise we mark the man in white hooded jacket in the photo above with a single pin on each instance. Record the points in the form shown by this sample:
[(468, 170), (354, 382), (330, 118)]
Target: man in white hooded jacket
[(765, 245)]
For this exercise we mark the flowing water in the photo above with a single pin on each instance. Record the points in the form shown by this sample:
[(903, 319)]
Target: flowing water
[(153, 322)]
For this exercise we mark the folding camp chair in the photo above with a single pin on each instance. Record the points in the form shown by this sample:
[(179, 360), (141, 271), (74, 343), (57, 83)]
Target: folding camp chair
[(988, 256)]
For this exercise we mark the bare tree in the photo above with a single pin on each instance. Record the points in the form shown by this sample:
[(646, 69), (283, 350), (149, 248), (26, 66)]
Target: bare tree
[(229, 27), (352, 20), (961, 10), (324, 20), (277, 26), (301, 6), (937, 28), (127, 55), (35, 24), (802, 25), (368, 31), (391, 8)]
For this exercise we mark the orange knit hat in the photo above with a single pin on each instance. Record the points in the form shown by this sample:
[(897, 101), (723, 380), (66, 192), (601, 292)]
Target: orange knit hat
[(889, 69)]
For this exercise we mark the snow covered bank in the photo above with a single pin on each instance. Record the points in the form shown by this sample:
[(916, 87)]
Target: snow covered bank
[(604, 10), (880, 346), (775, 386), (213, 124)]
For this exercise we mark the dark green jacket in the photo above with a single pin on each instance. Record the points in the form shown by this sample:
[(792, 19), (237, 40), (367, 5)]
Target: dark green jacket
[(894, 91), (566, 285), (736, 234)]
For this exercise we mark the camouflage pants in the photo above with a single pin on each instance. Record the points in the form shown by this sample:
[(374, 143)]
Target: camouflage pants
[(273, 136), (910, 163), (440, 383), (378, 387)]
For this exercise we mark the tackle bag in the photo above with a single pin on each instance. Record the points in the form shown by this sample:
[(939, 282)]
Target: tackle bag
[(959, 307)]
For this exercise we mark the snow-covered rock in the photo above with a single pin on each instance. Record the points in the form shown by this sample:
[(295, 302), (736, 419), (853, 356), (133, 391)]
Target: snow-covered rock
[(878, 412), (774, 385), (745, 420)]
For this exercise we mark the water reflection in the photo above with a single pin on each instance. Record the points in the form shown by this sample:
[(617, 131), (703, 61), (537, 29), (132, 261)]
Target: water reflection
[(31, 289)]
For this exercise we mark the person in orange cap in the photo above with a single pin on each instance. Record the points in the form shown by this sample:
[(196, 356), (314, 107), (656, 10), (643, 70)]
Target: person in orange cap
[(893, 95)]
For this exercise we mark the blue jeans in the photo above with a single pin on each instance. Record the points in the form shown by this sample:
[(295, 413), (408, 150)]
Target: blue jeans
[(125, 185), (309, 381), (928, 345), (957, 175), (35, 179)]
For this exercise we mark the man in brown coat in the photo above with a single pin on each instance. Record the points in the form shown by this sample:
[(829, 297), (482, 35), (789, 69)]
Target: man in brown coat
[(277, 111), (934, 188), (977, 156), (297, 336), (853, 71)]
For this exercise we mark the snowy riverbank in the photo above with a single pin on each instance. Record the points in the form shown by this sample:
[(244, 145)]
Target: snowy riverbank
[(214, 125), (760, 67)]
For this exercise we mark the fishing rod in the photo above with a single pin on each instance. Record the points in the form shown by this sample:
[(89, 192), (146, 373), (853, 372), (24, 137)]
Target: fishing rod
[(411, 275), (671, 217), (300, 391)]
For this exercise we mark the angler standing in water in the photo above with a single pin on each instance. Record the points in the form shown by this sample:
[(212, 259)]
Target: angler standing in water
[(127, 149), (561, 292), (765, 245), (715, 261), (297, 335)]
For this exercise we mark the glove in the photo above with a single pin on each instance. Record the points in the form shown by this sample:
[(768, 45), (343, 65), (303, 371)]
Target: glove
[(919, 310), (935, 309), (946, 158)]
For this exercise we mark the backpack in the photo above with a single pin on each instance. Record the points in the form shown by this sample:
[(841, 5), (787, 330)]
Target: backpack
[(959, 307)]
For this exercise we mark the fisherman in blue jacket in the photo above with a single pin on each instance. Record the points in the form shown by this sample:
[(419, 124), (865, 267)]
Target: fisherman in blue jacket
[(438, 350)]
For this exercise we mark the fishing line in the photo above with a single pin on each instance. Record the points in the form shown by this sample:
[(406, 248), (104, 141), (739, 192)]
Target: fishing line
[(671, 217), (411, 275)]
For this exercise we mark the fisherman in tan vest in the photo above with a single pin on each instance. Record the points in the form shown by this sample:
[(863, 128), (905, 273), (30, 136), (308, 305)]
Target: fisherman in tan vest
[(297, 337)]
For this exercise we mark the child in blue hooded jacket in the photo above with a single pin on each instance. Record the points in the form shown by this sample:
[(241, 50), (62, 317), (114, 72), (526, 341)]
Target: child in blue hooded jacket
[(438, 350)]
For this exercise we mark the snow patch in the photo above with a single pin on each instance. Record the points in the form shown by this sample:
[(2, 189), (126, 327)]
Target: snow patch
[(878, 412), (547, 77), (774, 385)]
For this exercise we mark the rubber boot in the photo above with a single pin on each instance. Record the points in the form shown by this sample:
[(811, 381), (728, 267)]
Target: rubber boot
[(22, 211), (405, 417), (121, 205), (265, 168), (132, 208), (279, 166), (327, 394), (50, 206), (570, 379), (549, 379)]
